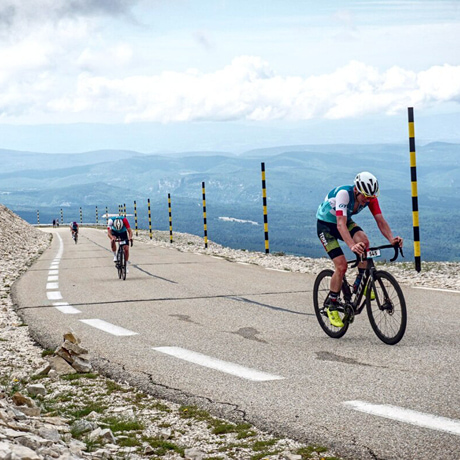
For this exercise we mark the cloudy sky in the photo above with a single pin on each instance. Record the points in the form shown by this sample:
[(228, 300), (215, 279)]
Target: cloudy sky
[(82, 74)]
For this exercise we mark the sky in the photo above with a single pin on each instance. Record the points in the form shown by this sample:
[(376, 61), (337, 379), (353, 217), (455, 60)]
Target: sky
[(228, 75)]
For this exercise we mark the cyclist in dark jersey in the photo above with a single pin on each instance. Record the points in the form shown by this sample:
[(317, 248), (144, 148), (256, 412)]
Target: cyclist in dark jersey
[(73, 228), (335, 223), (118, 228)]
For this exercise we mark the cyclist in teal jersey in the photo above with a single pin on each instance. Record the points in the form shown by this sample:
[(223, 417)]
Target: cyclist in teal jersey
[(335, 223), (118, 228)]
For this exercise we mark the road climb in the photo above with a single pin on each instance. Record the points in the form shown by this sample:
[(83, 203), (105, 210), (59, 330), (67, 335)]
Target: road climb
[(229, 336)]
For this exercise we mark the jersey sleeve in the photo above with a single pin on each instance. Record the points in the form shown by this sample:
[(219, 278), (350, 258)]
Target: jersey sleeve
[(126, 222), (342, 200), (374, 206)]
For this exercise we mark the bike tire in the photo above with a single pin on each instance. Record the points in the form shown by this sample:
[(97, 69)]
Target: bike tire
[(321, 290), (387, 313), (123, 265), (120, 262), (76, 239)]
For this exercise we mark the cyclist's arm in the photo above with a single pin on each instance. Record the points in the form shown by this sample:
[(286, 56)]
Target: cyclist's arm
[(346, 236), (109, 232), (130, 233), (385, 230)]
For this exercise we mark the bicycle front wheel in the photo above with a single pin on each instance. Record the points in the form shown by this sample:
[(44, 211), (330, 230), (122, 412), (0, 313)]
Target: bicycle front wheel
[(321, 290), (121, 264), (386, 308)]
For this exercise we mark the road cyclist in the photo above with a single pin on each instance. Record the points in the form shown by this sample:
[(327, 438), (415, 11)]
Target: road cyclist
[(118, 229), (74, 231), (334, 222)]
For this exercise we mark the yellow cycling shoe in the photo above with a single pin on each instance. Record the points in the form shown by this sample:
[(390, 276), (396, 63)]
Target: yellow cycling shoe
[(334, 318), (372, 293)]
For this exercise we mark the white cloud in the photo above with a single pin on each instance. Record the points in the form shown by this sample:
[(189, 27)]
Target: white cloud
[(249, 89)]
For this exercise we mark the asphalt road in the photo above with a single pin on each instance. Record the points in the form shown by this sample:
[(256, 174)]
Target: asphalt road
[(270, 361)]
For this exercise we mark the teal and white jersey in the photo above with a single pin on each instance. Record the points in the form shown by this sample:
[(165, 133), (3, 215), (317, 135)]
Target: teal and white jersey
[(340, 201)]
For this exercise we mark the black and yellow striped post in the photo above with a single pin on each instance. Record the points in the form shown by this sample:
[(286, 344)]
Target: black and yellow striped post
[(119, 209), (413, 178), (264, 201), (62, 217), (150, 220), (81, 216), (97, 218), (38, 217), (170, 219), (205, 224), (106, 215), (135, 218), (124, 209)]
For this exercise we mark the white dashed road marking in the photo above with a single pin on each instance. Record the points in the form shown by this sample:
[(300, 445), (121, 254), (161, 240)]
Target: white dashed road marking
[(52, 286), (108, 327), (65, 308), (217, 364), (412, 417), (54, 295)]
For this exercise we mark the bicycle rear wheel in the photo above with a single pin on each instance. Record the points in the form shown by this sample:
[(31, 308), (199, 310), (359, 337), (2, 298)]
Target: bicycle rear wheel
[(321, 290), (76, 238), (387, 312)]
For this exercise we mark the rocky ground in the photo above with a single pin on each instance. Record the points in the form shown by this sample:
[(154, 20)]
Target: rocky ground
[(47, 414)]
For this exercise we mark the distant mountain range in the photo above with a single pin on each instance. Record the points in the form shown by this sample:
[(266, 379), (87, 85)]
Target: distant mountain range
[(298, 177)]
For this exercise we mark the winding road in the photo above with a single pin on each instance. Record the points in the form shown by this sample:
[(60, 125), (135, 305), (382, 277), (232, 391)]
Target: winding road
[(243, 342)]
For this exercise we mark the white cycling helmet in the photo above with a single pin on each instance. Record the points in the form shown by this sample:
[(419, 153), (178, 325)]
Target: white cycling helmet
[(367, 184), (118, 224)]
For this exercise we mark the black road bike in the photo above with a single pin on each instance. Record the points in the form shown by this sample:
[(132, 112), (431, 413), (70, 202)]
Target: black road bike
[(378, 291), (121, 260), (75, 237)]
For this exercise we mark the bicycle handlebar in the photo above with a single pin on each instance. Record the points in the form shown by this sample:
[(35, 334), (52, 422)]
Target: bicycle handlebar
[(361, 258)]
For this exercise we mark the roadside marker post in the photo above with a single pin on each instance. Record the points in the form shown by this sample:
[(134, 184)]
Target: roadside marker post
[(135, 218), (97, 218), (38, 217), (170, 219), (264, 201), (124, 209), (81, 216), (62, 217), (150, 219), (106, 215), (413, 178), (204, 216)]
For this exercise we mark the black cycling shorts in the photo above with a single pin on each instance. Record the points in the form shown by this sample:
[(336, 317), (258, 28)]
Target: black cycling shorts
[(121, 235), (329, 234)]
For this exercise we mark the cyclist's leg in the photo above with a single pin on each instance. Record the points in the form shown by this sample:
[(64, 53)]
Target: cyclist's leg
[(328, 235), (358, 235)]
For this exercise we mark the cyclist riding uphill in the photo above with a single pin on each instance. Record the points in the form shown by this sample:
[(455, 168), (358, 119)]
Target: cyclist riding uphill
[(73, 228), (118, 228), (335, 223)]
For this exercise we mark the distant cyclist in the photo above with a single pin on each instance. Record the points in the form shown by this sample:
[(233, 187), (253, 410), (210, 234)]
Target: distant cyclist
[(335, 223), (73, 229), (118, 228)]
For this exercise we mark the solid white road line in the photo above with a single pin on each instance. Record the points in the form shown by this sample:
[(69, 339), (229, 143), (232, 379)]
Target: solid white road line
[(437, 289), (412, 417), (65, 308), (217, 364), (243, 263), (277, 270), (54, 295), (108, 327), (52, 286)]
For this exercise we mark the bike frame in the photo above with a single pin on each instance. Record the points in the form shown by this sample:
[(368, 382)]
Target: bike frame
[(356, 303)]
